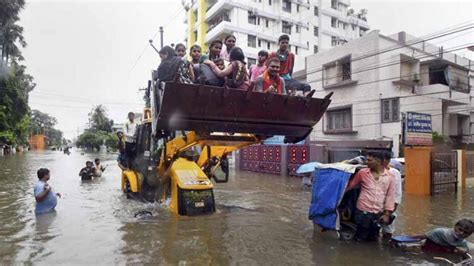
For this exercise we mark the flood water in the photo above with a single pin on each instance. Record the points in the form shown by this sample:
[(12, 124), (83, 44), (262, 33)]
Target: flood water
[(260, 219)]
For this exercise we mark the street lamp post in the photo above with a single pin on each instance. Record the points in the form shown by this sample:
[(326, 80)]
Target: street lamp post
[(161, 36)]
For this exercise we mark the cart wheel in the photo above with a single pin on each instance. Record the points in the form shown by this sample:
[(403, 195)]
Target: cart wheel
[(347, 231)]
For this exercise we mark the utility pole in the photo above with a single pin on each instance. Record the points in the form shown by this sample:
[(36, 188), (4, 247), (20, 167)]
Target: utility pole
[(161, 36)]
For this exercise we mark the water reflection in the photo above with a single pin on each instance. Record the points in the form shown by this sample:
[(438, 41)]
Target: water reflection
[(260, 219)]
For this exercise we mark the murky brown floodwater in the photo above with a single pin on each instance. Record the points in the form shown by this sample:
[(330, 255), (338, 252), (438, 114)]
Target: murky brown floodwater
[(261, 219)]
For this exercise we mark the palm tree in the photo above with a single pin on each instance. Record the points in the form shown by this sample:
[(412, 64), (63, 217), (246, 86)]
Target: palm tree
[(99, 119), (10, 32)]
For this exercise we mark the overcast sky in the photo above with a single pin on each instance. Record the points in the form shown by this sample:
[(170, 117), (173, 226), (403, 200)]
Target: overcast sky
[(84, 52)]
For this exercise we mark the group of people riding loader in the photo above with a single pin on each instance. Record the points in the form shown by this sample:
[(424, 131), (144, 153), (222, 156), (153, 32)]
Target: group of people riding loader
[(224, 65)]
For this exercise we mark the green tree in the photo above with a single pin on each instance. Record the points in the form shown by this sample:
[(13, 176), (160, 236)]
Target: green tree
[(11, 34), (15, 83), (94, 139), (14, 108), (55, 137), (99, 119), (42, 123)]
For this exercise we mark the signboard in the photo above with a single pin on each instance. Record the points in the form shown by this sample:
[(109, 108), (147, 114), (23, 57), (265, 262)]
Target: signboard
[(418, 129)]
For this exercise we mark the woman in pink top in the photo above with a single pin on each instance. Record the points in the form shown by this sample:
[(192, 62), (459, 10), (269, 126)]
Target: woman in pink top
[(235, 73), (257, 70), (229, 42)]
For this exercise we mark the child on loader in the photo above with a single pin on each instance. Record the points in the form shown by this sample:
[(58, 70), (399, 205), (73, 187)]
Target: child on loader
[(236, 72)]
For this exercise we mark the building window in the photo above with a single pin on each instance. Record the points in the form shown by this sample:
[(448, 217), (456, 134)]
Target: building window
[(259, 43), (316, 31), (361, 32), (337, 71), (353, 27), (258, 20), (252, 41), (252, 18), (296, 49), (316, 11), (334, 4), (286, 27), (269, 2), (268, 46), (267, 23), (390, 110), (346, 69), (297, 8), (315, 49), (286, 5), (297, 28), (333, 22), (251, 61), (339, 120), (333, 41)]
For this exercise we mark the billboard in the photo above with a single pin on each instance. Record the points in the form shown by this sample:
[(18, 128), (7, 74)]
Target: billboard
[(418, 129)]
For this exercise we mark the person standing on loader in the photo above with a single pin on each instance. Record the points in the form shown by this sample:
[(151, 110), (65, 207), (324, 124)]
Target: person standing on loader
[(129, 129)]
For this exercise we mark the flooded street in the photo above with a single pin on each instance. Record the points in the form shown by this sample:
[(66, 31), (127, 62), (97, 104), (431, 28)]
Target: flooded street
[(260, 219)]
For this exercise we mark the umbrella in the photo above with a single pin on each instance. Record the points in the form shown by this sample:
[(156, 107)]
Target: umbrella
[(396, 164), (307, 168)]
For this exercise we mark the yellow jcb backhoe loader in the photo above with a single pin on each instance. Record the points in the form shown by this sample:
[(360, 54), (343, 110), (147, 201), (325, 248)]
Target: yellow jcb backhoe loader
[(189, 130)]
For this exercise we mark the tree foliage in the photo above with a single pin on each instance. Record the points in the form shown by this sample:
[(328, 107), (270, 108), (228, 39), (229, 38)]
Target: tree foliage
[(42, 123), (15, 83), (99, 119), (94, 139), (11, 34), (100, 131)]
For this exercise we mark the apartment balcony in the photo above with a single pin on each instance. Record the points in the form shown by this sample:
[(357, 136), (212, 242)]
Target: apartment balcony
[(217, 7), (333, 32), (210, 4), (345, 2), (218, 19), (224, 27), (445, 93), (303, 3)]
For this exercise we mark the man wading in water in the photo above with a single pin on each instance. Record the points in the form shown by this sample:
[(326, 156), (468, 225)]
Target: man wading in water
[(377, 197), (45, 197)]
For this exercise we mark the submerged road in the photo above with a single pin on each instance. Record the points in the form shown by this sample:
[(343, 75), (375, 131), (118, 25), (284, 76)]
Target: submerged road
[(261, 219)]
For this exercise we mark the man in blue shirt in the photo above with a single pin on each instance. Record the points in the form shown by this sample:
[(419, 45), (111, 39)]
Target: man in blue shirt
[(45, 197)]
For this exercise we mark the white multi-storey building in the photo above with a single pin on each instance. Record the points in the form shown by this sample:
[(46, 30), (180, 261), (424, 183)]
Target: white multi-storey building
[(376, 79), (313, 25)]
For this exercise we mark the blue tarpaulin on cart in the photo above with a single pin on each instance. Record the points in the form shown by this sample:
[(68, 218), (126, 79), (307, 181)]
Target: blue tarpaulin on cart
[(328, 189)]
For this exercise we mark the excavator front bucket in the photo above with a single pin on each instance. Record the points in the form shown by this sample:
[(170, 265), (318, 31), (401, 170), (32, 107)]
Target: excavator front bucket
[(204, 108)]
